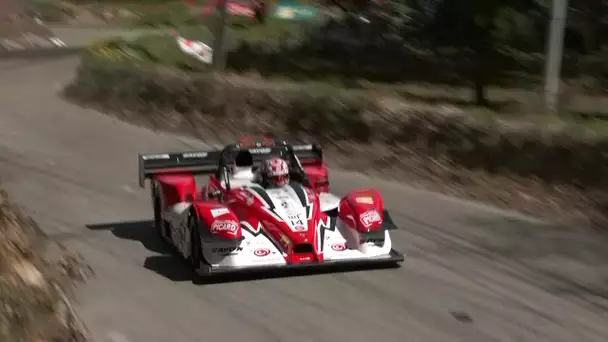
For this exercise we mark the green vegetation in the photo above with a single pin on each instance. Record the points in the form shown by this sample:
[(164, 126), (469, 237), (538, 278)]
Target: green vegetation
[(458, 85), (162, 48), (494, 43), (558, 151)]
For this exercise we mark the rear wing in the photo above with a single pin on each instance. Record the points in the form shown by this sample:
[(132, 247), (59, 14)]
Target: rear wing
[(198, 162), (205, 162), (308, 154)]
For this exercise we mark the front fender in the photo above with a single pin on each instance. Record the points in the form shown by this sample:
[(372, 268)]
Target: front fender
[(217, 221), (362, 210)]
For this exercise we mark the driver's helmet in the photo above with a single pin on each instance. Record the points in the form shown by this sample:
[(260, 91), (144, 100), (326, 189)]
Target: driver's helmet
[(275, 172)]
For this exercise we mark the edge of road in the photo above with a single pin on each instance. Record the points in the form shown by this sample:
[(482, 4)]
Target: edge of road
[(34, 53)]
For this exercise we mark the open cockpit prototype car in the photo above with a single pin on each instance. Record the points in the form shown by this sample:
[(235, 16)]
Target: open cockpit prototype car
[(229, 224)]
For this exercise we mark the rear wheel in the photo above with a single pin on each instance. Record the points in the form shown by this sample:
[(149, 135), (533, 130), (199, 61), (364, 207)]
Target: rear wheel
[(158, 220), (160, 224)]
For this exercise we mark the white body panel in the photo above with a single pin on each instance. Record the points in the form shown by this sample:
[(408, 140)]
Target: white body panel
[(328, 201), (251, 251), (289, 208), (342, 243)]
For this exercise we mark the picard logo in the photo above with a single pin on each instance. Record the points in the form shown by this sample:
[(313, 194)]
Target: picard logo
[(227, 226)]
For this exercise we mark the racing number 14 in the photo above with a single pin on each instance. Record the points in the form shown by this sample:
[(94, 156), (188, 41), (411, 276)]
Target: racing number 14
[(296, 220)]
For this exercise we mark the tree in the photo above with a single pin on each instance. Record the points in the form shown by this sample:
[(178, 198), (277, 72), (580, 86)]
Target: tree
[(471, 29)]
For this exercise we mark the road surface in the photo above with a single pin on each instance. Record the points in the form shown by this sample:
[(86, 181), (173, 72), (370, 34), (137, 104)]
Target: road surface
[(472, 273)]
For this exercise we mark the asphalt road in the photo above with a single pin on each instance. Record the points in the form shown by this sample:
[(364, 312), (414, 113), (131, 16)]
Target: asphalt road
[(471, 274)]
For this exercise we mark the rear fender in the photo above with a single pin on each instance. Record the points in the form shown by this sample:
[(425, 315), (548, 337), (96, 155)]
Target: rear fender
[(362, 210), (218, 222), (317, 174), (176, 188)]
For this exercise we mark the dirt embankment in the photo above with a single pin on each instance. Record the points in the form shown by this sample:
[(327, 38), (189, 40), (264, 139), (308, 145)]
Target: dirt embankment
[(36, 279)]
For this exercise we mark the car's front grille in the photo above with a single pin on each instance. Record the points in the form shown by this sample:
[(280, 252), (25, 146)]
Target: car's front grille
[(303, 248)]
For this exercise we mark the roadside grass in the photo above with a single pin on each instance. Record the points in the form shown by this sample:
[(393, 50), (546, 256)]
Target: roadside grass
[(515, 103)]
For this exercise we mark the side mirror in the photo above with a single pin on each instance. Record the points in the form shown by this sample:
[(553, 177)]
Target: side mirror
[(216, 194)]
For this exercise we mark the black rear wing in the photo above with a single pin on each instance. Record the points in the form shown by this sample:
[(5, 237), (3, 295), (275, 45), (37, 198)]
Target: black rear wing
[(206, 162), (197, 162), (308, 154)]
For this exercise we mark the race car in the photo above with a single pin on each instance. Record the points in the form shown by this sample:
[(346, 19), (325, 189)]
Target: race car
[(228, 224)]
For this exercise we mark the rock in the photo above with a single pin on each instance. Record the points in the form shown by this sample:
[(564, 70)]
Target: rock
[(29, 274)]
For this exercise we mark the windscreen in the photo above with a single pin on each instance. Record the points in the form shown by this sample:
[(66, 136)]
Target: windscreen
[(260, 154)]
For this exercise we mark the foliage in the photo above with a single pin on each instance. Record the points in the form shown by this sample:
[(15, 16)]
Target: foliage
[(473, 43), (558, 152)]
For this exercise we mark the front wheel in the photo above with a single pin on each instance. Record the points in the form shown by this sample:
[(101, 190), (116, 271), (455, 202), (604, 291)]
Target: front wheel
[(197, 260)]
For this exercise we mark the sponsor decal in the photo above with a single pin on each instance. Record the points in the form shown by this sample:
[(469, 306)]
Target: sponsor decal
[(284, 204), (296, 219), (338, 247), (261, 252), (370, 217), (300, 229), (302, 147), (376, 242), (194, 155), (259, 150), (226, 250), (155, 156), (219, 212), (364, 200), (228, 226)]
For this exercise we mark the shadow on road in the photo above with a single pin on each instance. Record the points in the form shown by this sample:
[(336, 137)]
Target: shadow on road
[(142, 231), (170, 265)]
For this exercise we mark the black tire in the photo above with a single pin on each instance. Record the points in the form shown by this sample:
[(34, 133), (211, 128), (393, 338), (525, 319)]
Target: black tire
[(197, 260), (158, 220)]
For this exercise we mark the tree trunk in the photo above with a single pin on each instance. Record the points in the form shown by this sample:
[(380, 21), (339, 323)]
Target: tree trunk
[(481, 70), (481, 98), (259, 8)]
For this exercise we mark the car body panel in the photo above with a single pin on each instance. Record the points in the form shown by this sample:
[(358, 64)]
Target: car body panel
[(251, 227)]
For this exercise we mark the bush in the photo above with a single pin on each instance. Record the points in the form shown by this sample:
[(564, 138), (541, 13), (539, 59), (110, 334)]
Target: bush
[(557, 152), (332, 50)]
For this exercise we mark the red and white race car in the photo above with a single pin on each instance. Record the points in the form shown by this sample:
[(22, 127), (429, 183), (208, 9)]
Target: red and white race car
[(230, 225)]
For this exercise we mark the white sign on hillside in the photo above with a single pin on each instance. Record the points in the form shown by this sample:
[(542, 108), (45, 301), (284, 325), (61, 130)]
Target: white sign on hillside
[(196, 49)]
